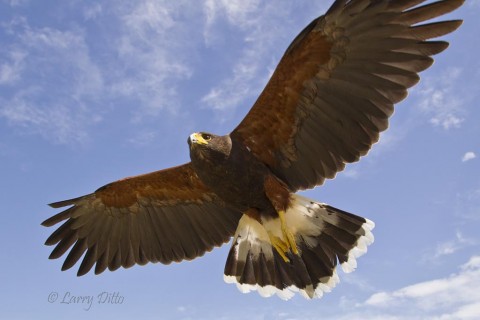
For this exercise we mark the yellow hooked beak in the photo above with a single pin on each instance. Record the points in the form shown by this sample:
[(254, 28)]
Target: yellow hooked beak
[(198, 139)]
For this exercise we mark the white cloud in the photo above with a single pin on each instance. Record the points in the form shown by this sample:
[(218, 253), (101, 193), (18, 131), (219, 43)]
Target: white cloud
[(16, 3), (473, 3), (243, 80), (51, 77), (92, 11), (440, 100), (468, 204), (64, 53), (149, 16), (262, 27), (469, 156), (153, 47), (238, 12), (451, 246), (241, 85), (446, 248), (453, 297), (10, 71), (350, 172), (358, 281), (181, 309), (54, 122), (151, 52), (143, 138), (53, 73), (148, 57)]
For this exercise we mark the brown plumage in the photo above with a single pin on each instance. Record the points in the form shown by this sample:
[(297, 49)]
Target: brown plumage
[(324, 106)]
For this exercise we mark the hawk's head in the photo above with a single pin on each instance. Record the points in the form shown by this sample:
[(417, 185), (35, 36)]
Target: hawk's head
[(209, 146)]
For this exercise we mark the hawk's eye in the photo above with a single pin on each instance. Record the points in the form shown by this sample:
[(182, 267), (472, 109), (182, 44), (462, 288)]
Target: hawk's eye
[(206, 136)]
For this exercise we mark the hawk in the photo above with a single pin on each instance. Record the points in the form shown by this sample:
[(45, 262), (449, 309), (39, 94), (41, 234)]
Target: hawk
[(325, 105)]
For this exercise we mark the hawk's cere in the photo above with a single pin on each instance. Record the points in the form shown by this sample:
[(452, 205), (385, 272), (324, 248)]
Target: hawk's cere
[(324, 106)]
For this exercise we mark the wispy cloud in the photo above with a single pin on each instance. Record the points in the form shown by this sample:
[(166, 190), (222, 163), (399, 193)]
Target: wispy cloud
[(10, 71), (452, 297), (451, 246), (152, 47), (265, 32), (64, 54), (469, 156), (36, 97), (359, 282), (350, 172), (59, 82), (15, 3), (245, 80), (143, 138), (53, 122), (242, 84), (240, 14), (441, 101), (92, 11), (474, 3), (468, 204), (148, 52)]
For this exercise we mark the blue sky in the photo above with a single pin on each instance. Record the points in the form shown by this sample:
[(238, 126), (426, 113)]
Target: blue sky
[(91, 92)]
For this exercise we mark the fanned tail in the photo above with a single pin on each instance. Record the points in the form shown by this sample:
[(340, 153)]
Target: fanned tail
[(325, 237)]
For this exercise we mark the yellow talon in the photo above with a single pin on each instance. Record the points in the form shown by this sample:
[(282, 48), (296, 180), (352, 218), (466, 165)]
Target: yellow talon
[(284, 246), (291, 241), (280, 246), (292, 245)]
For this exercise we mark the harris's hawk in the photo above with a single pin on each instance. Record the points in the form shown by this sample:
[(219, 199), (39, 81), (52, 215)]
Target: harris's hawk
[(324, 106)]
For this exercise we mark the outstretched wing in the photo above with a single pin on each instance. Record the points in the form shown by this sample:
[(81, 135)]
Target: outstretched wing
[(163, 216), (334, 89)]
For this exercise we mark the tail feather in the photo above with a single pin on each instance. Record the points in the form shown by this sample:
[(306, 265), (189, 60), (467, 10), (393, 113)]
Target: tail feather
[(325, 237)]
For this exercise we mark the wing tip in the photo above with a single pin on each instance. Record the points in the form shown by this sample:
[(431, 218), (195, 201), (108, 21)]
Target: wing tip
[(57, 218), (82, 271), (64, 214), (47, 223), (65, 203), (457, 23)]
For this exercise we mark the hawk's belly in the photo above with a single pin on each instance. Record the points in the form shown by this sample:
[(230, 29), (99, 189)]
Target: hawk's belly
[(239, 187), (239, 179)]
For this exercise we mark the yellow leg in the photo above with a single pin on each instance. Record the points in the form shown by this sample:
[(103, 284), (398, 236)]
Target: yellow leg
[(283, 246), (280, 246), (287, 233)]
